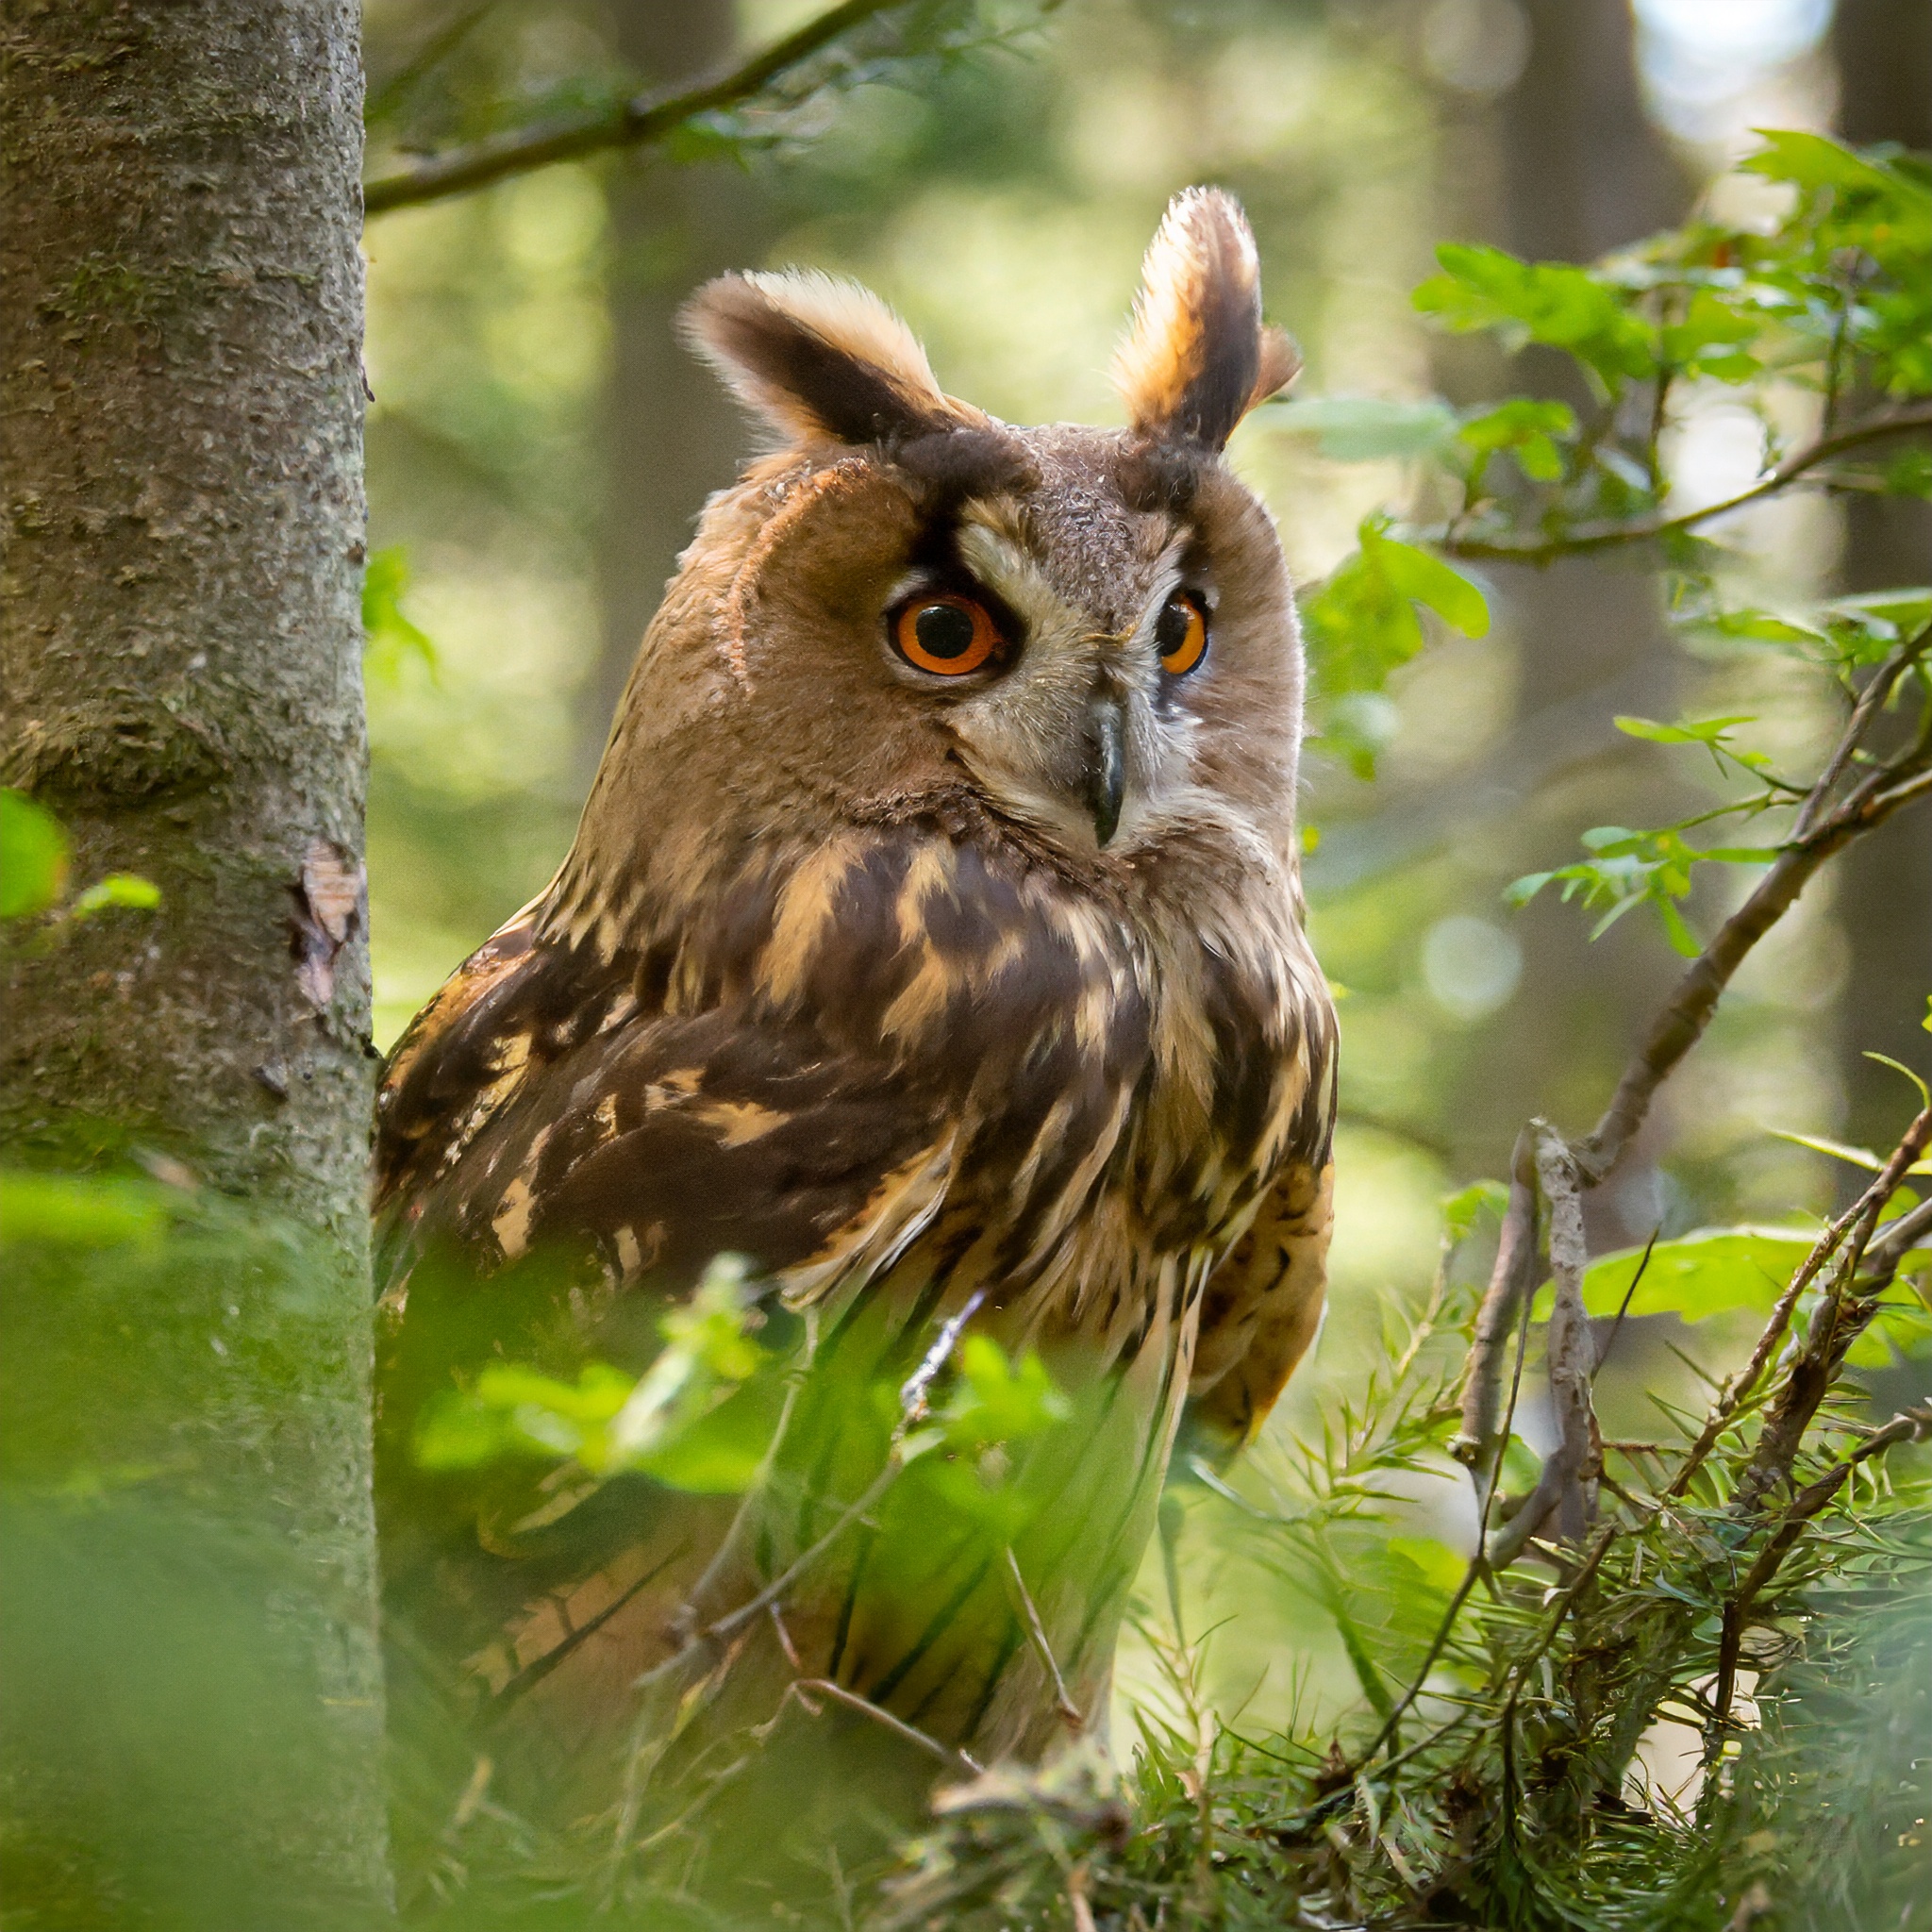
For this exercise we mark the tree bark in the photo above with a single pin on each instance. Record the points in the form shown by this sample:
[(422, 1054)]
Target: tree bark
[(183, 543)]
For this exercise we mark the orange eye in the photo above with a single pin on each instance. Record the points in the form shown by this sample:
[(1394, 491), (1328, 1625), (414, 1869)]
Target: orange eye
[(944, 634), (1180, 634)]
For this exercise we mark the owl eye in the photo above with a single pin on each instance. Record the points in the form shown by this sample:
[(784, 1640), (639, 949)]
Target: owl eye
[(944, 634), (1180, 634)]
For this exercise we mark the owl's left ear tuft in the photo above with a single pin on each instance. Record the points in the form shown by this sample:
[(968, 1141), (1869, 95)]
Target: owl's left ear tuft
[(820, 359), (1197, 358)]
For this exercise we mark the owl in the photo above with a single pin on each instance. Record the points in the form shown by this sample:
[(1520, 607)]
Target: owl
[(932, 940)]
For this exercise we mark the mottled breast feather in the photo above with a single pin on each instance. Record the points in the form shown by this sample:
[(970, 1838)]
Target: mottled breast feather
[(892, 1038)]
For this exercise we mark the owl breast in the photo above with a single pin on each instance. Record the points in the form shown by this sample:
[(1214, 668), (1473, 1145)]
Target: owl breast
[(914, 1077), (895, 1058)]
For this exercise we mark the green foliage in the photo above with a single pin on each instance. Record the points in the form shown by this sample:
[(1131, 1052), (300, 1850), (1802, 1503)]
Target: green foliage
[(1361, 625), (168, 1351), (34, 865), (391, 641), (33, 856), (998, 1402), (1506, 1791), (1547, 302), (1630, 869), (669, 1424)]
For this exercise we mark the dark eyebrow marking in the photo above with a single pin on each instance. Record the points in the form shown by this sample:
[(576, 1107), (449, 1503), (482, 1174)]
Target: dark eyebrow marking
[(956, 464), (1156, 478)]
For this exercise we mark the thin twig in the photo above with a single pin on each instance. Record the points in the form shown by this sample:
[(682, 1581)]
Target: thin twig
[(1036, 1631), (1735, 1390), (1910, 1425), (1832, 1329), (642, 120), (1594, 537), (825, 1687), (1624, 1308), (1871, 700), (1681, 1022), (912, 1390), (1478, 1566)]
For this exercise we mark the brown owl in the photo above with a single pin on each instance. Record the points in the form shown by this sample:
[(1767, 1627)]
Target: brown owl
[(932, 940)]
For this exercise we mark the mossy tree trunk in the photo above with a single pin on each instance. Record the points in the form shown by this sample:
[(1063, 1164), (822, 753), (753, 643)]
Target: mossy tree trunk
[(184, 535)]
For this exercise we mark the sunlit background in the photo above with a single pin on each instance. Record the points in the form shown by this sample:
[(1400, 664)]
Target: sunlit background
[(539, 448)]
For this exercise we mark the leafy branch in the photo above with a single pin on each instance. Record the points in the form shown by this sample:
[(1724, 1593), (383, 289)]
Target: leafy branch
[(1581, 539), (778, 73)]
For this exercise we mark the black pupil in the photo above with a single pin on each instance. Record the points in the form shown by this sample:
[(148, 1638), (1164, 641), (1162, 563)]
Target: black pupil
[(943, 631), (1171, 627)]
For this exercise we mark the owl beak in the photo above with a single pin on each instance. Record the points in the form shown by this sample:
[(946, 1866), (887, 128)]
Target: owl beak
[(1107, 761)]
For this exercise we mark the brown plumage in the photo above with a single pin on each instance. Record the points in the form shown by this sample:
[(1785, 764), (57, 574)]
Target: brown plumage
[(926, 992)]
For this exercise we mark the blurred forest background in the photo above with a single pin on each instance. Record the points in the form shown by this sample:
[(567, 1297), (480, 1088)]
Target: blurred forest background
[(539, 446)]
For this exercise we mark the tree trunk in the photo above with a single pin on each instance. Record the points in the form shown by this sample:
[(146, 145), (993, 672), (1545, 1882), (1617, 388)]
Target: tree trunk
[(1884, 50), (182, 462)]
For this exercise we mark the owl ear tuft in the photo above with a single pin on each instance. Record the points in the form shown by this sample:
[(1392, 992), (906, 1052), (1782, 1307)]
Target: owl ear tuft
[(1197, 358), (820, 359)]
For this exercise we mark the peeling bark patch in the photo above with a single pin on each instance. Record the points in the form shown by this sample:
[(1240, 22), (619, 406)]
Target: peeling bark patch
[(328, 912)]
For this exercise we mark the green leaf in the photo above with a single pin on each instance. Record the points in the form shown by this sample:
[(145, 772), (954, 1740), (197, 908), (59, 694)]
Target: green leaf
[(721, 1452), (1426, 580), (1700, 1274), (996, 1401), (1705, 341), (1840, 1150), (1463, 1209), (1526, 426), (610, 1423), (1551, 302), (79, 1210), (33, 856), (1760, 627), (1358, 430), (390, 637), (1896, 1333), (1811, 161), (1699, 731), (123, 889)]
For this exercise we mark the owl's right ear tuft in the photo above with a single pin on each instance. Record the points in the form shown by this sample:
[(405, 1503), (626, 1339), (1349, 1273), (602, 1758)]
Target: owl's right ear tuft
[(820, 359), (1197, 358)]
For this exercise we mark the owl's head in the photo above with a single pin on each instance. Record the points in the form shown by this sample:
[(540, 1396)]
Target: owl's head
[(1084, 636)]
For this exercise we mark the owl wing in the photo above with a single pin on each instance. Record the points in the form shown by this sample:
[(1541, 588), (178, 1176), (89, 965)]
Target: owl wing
[(535, 1100), (1262, 1306), (545, 1142)]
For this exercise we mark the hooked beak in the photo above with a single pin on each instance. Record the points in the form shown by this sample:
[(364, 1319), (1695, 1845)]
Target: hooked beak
[(1107, 761)]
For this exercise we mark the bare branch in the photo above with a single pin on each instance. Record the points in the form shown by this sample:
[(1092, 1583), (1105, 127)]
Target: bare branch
[(1512, 1281), (1734, 1393), (639, 121), (1565, 1486), (1587, 538), (1889, 1248), (1681, 1023)]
